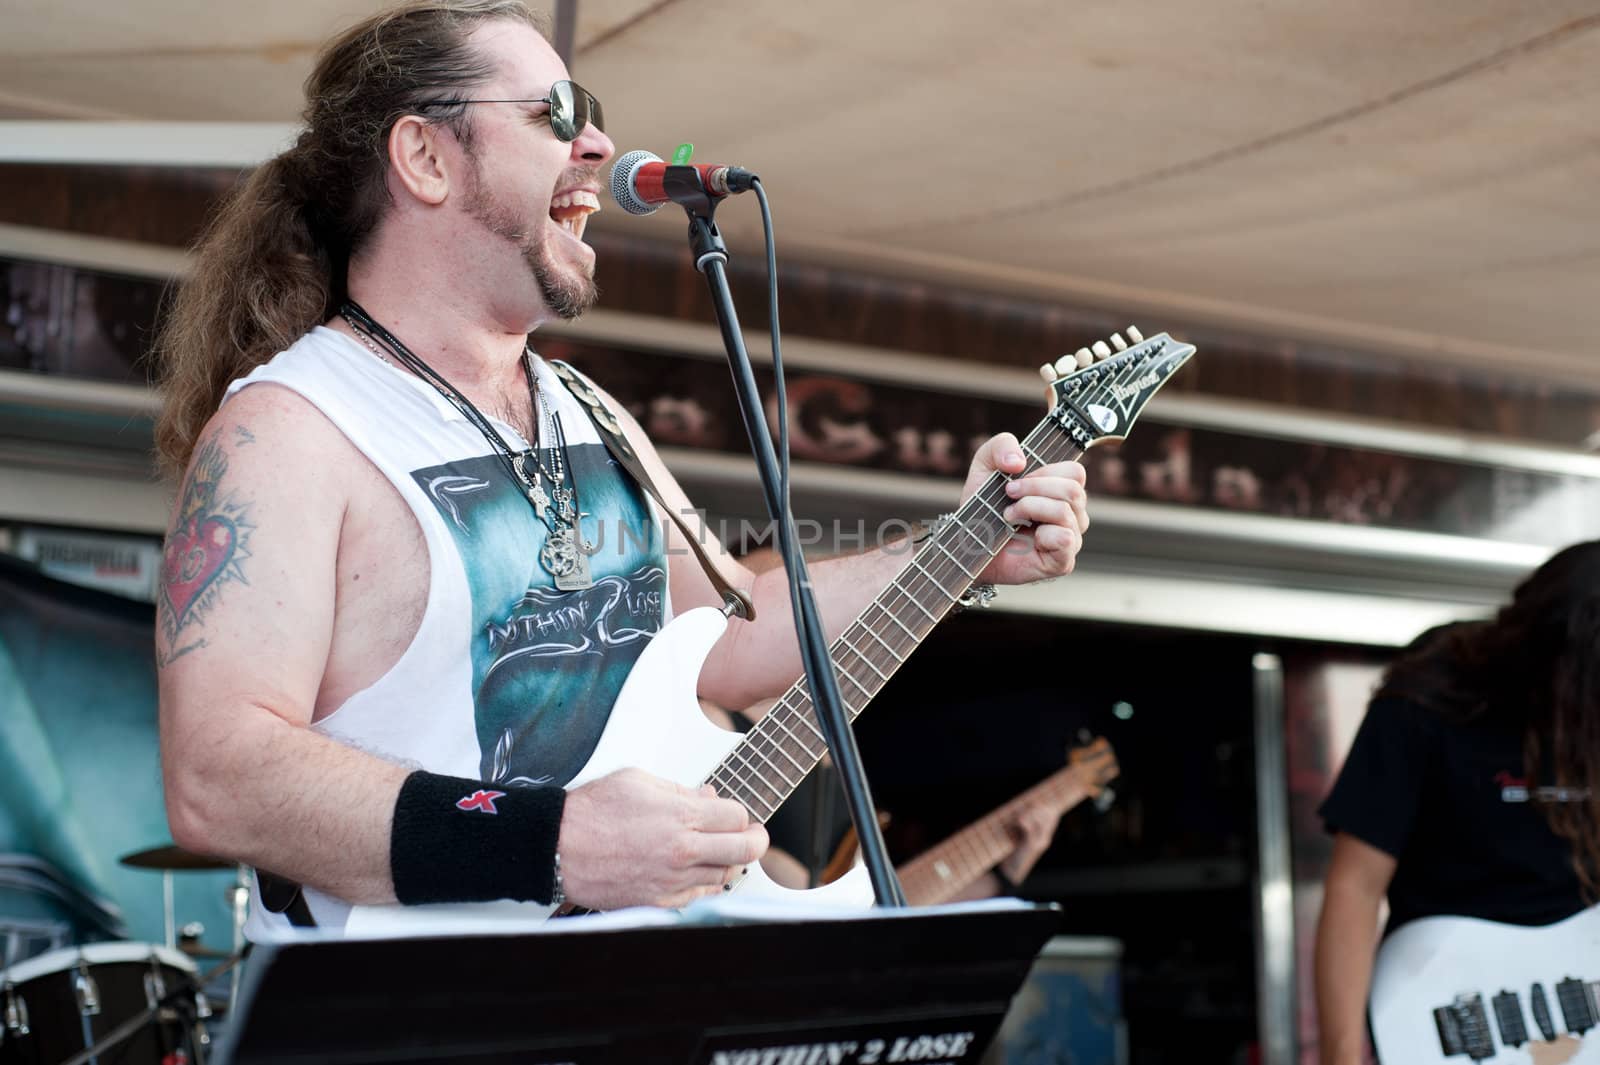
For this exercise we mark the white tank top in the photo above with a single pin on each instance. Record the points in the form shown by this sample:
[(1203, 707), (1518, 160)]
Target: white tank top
[(508, 680)]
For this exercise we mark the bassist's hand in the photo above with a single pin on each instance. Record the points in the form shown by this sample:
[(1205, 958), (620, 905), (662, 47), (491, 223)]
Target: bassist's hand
[(1034, 830), (633, 839), (1049, 504)]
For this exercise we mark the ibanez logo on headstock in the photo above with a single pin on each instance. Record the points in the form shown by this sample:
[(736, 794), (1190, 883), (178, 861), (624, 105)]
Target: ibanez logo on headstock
[(1097, 392), (1128, 391)]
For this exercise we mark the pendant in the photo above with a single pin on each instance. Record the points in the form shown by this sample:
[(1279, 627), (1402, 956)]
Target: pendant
[(566, 561), (540, 501), (565, 512), (532, 485)]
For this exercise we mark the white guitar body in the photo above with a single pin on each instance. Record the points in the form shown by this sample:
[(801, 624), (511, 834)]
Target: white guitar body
[(1460, 965), (656, 725)]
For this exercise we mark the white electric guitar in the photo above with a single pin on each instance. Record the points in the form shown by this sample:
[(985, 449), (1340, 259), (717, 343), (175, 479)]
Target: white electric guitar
[(657, 725), (1459, 988)]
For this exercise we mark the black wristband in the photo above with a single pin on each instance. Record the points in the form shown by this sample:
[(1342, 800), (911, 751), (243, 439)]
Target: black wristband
[(460, 840)]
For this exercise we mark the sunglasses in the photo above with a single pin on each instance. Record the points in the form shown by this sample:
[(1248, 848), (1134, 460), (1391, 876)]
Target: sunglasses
[(572, 108)]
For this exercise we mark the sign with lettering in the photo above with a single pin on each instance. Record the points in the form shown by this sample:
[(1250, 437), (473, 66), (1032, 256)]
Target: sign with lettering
[(930, 431), (922, 1041)]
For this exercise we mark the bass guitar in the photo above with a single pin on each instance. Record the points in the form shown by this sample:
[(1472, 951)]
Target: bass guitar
[(656, 723)]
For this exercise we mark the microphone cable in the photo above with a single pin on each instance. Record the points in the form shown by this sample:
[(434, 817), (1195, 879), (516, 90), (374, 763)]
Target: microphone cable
[(890, 893), (778, 392)]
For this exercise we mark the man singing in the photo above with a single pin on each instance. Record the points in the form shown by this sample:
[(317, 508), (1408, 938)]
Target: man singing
[(384, 647)]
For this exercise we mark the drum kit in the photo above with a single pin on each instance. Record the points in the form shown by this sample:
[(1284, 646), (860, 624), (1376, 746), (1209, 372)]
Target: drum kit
[(121, 1003)]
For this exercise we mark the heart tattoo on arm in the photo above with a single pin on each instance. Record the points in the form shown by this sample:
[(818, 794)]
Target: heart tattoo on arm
[(205, 550)]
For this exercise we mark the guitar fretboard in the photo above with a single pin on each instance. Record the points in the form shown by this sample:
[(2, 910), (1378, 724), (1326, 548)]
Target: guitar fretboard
[(940, 873), (787, 743)]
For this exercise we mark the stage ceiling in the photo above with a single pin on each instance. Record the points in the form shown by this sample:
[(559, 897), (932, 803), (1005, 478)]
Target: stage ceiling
[(1418, 178)]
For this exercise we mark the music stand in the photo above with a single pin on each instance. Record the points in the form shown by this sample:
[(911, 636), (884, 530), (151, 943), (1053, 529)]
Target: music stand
[(910, 985)]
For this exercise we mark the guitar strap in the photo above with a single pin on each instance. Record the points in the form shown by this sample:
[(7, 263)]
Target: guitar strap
[(646, 468)]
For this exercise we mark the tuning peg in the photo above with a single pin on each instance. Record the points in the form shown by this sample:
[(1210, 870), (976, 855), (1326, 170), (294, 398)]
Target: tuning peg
[(1118, 343), (1048, 372), (1084, 357), (1138, 337), (1065, 365), (1101, 349)]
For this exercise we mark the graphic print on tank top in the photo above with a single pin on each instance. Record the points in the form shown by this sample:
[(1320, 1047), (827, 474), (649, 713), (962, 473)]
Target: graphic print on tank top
[(547, 664)]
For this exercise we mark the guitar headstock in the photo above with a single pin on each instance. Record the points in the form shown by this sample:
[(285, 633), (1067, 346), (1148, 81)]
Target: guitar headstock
[(1097, 393), (1095, 764)]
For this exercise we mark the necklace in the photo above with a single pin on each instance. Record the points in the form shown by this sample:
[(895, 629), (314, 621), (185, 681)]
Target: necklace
[(565, 554), (367, 340)]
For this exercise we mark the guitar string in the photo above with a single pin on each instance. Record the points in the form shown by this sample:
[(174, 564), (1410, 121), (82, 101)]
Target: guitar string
[(796, 703), (906, 588), (795, 707), (941, 576), (943, 869), (983, 843), (1121, 376)]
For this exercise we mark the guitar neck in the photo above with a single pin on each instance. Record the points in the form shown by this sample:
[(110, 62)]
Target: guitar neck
[(941, 873), (787, 743)]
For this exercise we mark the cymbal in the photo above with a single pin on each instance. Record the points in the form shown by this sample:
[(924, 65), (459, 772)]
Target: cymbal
[(169, 856)]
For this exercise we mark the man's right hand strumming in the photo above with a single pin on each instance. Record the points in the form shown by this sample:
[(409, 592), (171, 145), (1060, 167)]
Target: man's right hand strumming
[(633, 839)]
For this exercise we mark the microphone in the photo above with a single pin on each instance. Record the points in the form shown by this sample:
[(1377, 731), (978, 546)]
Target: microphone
[(641, 182)]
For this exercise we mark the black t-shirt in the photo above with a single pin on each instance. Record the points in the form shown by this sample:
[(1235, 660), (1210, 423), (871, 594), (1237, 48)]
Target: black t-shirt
[(1449, 802)]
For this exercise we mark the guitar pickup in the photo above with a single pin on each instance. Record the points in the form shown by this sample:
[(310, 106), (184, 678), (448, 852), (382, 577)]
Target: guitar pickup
[(1576, 1010), (1508, 1017), (1541, 1012), (1464, 1028)]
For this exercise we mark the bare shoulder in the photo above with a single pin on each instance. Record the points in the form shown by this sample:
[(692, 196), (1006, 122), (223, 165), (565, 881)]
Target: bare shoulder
[(289, 424), (266, 446), (259, 507)]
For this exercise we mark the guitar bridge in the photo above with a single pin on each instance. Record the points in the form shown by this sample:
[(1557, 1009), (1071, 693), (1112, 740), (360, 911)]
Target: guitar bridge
[(1464, 1028)]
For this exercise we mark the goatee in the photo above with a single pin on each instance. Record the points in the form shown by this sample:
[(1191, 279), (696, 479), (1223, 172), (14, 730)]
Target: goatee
[(567, 294)]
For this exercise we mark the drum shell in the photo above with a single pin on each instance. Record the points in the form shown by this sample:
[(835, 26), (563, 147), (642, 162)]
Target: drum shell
[(56, 1031)]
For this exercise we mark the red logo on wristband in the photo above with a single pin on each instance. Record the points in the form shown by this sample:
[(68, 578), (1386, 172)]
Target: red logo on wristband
[(481, 800)]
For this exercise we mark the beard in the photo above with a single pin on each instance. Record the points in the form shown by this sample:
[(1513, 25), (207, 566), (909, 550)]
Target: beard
[(568, 294)]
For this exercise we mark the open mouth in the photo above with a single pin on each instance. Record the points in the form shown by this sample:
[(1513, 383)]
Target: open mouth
[(571, 210)]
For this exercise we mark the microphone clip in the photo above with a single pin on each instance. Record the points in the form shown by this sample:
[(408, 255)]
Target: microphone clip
[(689, 187)]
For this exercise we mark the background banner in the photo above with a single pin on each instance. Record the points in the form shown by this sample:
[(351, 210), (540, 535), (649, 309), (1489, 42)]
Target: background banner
[(80, 773)]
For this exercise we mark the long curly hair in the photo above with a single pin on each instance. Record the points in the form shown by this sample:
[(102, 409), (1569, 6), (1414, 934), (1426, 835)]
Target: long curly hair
[(1535, 665), (273, 262)]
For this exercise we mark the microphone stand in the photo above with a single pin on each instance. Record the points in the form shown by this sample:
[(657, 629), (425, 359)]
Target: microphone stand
[(683, 185)]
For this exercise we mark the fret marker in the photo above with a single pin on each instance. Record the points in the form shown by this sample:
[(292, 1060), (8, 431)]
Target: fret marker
[(942, 869)]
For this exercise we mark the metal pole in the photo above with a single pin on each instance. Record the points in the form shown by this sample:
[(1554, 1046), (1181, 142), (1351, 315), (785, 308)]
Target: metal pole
[(167, 908), (1274, 925), (240, 897), (711, 260)]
